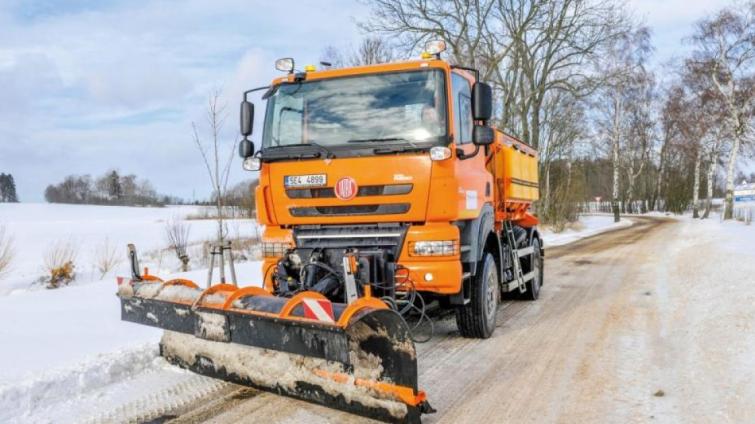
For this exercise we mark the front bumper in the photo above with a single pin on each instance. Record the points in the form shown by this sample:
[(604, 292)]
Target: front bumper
[(437, 274)]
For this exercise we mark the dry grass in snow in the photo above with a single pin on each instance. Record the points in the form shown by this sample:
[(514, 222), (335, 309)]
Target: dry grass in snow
[(6, 251)]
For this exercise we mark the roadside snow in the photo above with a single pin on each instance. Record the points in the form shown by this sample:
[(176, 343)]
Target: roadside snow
[(588, 225)]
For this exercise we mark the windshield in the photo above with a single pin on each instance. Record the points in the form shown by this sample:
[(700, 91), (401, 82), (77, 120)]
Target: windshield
[(405, 107)]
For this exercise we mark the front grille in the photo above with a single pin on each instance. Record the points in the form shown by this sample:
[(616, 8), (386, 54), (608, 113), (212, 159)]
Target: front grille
[(329, 193), (387, 236), (346, 210)]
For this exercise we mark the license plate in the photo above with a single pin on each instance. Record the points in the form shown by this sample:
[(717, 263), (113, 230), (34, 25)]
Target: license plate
[(315, 180)]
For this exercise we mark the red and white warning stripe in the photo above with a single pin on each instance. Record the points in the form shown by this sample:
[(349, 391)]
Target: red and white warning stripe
[(319, 309)]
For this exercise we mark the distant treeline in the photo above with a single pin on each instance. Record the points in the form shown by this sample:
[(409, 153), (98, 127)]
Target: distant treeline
[(7, 189), (108, 189)]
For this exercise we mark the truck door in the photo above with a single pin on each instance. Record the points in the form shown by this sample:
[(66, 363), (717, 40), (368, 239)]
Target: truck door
[(473, 178)]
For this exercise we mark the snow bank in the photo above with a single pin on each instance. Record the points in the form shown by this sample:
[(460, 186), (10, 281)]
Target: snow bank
[(60, 385), (588, 225)]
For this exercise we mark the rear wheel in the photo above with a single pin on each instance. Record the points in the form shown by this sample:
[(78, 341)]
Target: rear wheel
[(477, 318), (535, 266)]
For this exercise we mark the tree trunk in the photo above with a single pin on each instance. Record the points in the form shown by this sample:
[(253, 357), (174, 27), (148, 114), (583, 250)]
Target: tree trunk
[(709, 192), (547, 189), (729, 205), (696, 186), (615, 148), (659, 181)]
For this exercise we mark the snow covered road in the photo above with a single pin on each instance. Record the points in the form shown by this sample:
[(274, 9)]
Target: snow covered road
[(649, 323)]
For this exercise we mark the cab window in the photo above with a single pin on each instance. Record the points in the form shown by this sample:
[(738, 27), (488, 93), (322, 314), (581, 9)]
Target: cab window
[(462, 101)]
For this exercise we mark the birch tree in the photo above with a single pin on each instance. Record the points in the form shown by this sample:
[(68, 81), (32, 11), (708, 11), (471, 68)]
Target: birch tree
[(625, 73), (725, 53)]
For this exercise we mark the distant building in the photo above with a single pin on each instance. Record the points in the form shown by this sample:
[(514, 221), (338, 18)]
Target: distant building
[(744, 192)]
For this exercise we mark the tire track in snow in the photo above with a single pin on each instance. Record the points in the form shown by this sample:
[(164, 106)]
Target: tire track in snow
[(165, 403)]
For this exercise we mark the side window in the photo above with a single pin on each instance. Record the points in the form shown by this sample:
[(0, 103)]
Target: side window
[(462, 101)]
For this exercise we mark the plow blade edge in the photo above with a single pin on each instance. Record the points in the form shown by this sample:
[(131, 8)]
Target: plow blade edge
[(363, 361)]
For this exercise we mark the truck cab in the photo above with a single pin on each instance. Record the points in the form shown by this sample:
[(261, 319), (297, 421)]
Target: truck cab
[(396, 168)]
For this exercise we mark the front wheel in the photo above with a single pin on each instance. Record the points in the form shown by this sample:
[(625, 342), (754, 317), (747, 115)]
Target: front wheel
[(477, 318)]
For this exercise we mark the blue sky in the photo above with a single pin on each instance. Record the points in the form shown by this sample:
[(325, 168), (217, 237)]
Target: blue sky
[(92, 85)]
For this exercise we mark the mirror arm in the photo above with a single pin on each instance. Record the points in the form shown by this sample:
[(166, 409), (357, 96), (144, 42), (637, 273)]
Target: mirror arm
[(463, 156), (255, 89)]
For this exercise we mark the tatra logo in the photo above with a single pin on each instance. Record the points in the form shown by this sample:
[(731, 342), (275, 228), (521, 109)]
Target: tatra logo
[(346, 188)]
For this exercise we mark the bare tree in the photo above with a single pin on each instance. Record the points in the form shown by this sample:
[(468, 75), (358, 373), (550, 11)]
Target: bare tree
[(563, 126), (371, 50), (177, 234), (527, 48), (625, 85), (536, 54), (217, 170), (725, 53), (106, 257), (6, 251), (462, 24)]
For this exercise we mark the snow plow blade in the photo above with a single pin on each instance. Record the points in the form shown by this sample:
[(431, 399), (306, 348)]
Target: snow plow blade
[(357, 358)]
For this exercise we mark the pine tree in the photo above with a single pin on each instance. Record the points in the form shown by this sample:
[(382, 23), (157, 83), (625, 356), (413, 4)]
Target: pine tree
[(10, 192), (3, 187), (114, 185)]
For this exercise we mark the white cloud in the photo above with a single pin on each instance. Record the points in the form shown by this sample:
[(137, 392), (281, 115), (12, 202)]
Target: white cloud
[(90, 85), (672, 21)]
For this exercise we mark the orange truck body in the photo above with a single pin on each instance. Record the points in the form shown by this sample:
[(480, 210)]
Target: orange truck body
[(377, 212), (443, 193)]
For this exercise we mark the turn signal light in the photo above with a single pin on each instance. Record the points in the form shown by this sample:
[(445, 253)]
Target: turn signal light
[(440, 153), (252, 164)]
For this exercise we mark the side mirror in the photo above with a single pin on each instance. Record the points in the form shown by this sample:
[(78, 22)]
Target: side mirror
[(247, 118), (482, 101), (246, 149), (483, 135)]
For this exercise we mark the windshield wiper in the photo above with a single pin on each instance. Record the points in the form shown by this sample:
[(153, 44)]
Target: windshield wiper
[(290, 151), (397, 149), (376, 140), (328, 153)]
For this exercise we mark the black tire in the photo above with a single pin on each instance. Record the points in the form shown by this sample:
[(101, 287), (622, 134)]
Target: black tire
[(535, 264), (477, 319)]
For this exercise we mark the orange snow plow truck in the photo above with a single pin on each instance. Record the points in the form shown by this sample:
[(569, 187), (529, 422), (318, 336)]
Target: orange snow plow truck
[(386, 198)]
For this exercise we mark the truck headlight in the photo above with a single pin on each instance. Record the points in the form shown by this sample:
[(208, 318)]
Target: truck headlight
[(433, 248), (274, 249)]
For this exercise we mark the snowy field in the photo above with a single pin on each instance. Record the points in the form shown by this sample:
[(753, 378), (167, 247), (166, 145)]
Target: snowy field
[(38, 227), (71, 355)]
